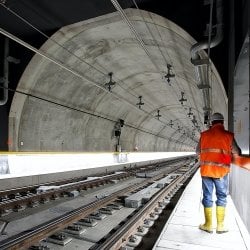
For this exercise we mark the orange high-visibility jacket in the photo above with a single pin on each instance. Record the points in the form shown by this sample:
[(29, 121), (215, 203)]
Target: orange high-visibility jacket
[(215, 151)]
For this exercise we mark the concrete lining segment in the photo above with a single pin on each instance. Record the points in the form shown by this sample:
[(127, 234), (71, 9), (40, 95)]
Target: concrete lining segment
[(107, 43)]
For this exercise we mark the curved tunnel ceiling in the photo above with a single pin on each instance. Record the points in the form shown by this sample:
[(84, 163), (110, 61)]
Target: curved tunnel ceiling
[(75, 111)]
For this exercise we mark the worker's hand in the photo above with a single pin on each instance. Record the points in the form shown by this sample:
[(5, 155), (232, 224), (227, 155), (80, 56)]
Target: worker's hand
[(242, 161)]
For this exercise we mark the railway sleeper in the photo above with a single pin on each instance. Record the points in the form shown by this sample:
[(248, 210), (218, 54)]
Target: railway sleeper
[(59, 239), (74, 229), (4, 212), (19, 208), (33, 204), (39, 247), (88, 222)]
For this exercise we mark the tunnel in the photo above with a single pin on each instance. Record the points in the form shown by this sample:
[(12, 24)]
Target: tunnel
[(122, 80)]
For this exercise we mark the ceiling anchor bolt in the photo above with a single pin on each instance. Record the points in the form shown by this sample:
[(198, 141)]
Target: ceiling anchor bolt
[(140, 103), (169, 74), (182, 98), (190, 112), (111, 82), (158, 114), (171, 123), (179, 128)]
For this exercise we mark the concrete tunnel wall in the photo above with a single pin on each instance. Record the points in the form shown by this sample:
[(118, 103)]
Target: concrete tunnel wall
[(106, 44), (240, 184)]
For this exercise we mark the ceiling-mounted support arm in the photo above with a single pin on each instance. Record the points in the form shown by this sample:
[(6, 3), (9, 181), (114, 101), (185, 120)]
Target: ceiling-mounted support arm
[(5, 79), (201, 69), (214, 41)]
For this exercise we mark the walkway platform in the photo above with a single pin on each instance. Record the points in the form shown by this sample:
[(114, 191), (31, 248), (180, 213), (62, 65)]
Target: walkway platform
[(181, 231)]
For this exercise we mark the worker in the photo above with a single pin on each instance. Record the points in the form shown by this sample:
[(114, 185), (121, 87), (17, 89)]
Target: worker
[(216, 148)]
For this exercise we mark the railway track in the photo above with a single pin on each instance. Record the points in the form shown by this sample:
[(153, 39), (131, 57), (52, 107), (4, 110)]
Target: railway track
[(30, 198), (120, 235), (18, 199), (127, 231)]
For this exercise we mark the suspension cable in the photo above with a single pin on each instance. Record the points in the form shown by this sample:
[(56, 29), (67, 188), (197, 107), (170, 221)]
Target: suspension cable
[(70, 70), (146, 24), (209, 44), (28, 23), (82, 111)]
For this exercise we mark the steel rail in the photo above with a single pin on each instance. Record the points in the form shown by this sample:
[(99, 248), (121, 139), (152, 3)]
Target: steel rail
[(29, 237), (65, 181), (76, 183), (8, 204)]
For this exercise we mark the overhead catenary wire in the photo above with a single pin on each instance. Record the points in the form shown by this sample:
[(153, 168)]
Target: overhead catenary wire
[(155, 40), (132, 28), (151, 33), (137, 36), (63, 47), (74, 72), (175, 73), (51, 39), (82, 111), (146, 23), (28, 23), (61, 65), (209, 44)]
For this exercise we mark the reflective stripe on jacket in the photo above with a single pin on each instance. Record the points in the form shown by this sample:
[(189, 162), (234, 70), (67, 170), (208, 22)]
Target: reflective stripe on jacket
[(215, 151)]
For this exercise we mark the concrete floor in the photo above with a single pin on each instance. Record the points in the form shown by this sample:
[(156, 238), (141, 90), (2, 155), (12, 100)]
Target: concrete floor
[(182, 232)]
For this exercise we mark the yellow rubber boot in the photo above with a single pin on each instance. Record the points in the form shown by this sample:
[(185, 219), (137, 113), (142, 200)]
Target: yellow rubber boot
[(220, 214), (207, 226)]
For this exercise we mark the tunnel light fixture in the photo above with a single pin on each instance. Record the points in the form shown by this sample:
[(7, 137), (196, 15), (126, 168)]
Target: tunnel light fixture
[(117, 133), (111, 83), (140, 103), (169, 74), (183, 99), (118, 125), (158, 114), (207, 112)]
